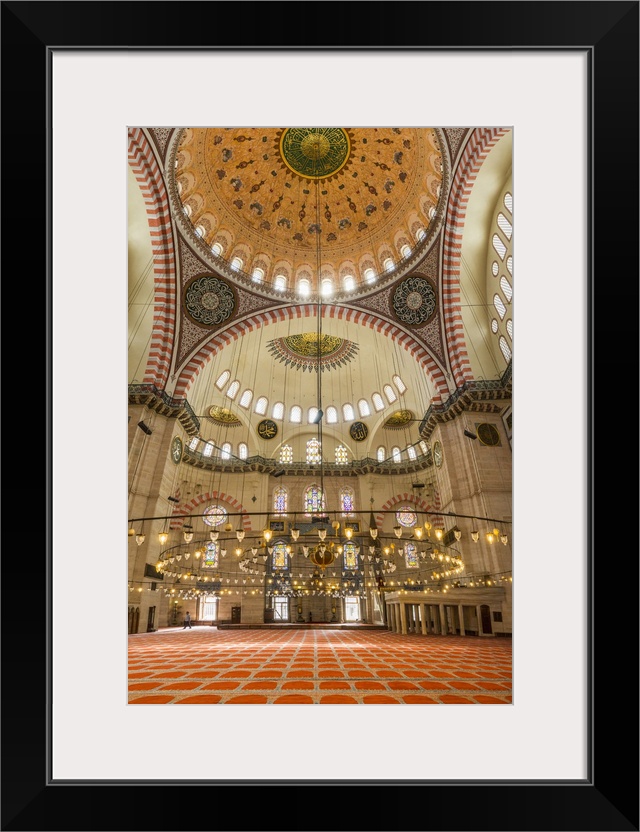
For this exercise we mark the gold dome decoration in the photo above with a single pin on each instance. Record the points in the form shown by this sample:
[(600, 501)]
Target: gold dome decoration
[(223, 416), (253, 191), (399, 419)]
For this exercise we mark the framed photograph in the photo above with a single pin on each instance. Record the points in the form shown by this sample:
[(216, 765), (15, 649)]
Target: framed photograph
[(564, 76)]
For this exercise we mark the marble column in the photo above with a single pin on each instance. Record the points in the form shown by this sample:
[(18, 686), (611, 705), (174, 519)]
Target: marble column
[(443, 620), (461, 615), (403, 618), (423, 619)]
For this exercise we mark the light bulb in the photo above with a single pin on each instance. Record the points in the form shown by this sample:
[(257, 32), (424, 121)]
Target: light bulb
[(140, 539), (214, 535), (373, 533), (490, 537), (504, 539), (295, 534), (163, 537), (348, 533), (188, 537), (322, 533), (439, 533), (397, 530), (240, 535), (417, 533), (474, 536), (457, 534), (267, 534)]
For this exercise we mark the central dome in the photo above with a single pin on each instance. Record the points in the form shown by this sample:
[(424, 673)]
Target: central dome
[(271, 201)]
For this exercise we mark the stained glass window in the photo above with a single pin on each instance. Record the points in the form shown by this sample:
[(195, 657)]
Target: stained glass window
[(313, 500), (286, 454), (314, 452), (211, 556), (342, 455), (280, 500), (347, 500), (350, 555), (279, 559), (411, 556), (214, 515), (406, 516)]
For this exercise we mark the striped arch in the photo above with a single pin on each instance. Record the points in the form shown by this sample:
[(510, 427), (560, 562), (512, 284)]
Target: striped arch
[(149, 177), (185, 509), (474, 154), (420, 505), (272, 316)]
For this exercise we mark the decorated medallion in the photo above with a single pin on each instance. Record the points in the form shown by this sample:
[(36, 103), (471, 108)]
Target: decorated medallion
[(399, 419), (358, 431), (414, 301), (176, 449), (437, 454), (209, 301), (300, 352), (488, 434), (267, 429), (315, 152), (223, 416)]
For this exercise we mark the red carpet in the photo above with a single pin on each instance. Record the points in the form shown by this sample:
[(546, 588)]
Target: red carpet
[(210, 666)]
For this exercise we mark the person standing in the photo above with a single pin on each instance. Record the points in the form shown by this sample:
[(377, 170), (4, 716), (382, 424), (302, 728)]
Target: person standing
[(187, 621)]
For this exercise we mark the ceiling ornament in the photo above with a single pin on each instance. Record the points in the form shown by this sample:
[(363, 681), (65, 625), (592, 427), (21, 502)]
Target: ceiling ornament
[(209, 301), (315, 152), (414, 301), (399, 419), (223, 416), (300, 352)]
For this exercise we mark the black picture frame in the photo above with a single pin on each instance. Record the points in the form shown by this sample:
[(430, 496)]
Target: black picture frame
[(608, 799)]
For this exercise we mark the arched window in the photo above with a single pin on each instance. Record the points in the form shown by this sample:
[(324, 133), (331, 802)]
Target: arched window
[(314, 452), (200, 230), (505, 226), (510, 265), (236, 264), (280, 499), (395, 453), (350, 555), (405, 251), (194, 443), (423, 446), (332, 415), (208, 449), (420, 234), (494, 326), (508, 202), (499, 305), (243, 450), (211, 555), (226, 450), (280, 282), (347, 501), (349, 283), (411, 556), (286, 454), (381, 453), (499, 246), (388, 391), (279, 556), (495, 268), (261, 406), (342, 455), (411, 452), (214, 515), (378, 403), (223, 379), (510, 328), (187, 210), (506, 288), (233, 389), (347, 412), (245, 398), (388, 264), (278, 410), (295, 414), (304, 287), (506, 350), (369, 275), (406, 517), (217, 249), (258, 275), (363, 408), (313, 500), (311, 415), (326, 287), (399, 383)]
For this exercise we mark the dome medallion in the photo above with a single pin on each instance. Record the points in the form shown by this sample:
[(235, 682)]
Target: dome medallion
[(315, 153)]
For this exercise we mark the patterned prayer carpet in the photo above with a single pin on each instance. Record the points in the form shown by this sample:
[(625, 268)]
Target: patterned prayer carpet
[(205, 665)]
